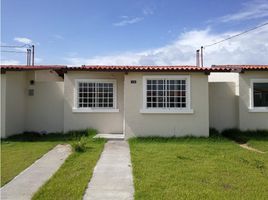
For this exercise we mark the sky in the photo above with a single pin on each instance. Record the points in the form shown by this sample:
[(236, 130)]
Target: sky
[(134, 32)]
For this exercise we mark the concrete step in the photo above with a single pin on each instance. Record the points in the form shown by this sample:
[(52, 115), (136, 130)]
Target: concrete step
[(111, 136)]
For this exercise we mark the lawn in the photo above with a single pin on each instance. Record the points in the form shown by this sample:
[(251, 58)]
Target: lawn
[(197, 168), (71, 180), (17, 156), (256, 139)]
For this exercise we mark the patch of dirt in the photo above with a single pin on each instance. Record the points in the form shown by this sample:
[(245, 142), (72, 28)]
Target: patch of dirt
[(245, 146), (227, 186)]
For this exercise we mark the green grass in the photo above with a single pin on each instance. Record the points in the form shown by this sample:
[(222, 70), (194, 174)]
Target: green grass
[(71, 180), (19, 151), (256, 139), (17, 156), (197, 168)]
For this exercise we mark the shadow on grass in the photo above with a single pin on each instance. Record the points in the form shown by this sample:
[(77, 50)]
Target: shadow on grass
[(37, 137), (242, 137), (214, 136)]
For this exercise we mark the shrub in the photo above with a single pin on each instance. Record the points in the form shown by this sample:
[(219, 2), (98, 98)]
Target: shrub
[(80, 145), (77, 134), (214, 132), (234, 134)]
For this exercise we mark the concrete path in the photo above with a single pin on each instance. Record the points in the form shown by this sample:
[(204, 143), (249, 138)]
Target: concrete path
[(23, 186), (112, 178)]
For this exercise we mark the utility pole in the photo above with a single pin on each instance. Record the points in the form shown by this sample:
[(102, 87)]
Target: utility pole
[(197, 58), (28, 56), (32, 55), (202, 61)]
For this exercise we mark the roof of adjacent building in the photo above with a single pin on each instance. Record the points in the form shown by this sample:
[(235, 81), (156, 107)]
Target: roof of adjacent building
[(30, 67), (243, 67), (126, 68)]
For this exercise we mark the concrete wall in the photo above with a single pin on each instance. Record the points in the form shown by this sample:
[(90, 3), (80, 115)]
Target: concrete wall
[(3, 105), (222, 77), (248, 119), (141, 124), (223, 105), (45, 108), (21, 112), (15, 103), (47, 75), (103, 122)]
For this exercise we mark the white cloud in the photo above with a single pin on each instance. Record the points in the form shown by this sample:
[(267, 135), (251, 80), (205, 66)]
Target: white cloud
[(125, 20), (23, 40), (251, 10), (10, 62), (58, 36), (38, 60), (148, 11), (20, 49), (250, 48)]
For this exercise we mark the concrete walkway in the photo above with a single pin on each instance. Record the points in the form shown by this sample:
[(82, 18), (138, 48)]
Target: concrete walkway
[(23, 186), (112, 178)]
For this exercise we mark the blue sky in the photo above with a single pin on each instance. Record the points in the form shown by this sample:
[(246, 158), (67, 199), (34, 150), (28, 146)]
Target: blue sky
[(134, 31)]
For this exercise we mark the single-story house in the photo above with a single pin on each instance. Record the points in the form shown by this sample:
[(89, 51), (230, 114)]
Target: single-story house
[(133, 100)]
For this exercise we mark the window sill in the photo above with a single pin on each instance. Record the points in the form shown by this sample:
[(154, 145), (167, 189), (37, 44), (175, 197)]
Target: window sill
[(167, 111), (97, 110), (258, 110)]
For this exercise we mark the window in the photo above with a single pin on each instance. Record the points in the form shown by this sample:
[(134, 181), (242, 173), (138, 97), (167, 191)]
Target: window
[(166, 93), (259, 94), (94, 94)]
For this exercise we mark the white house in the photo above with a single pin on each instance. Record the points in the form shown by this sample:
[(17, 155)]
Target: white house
[(133, 100)]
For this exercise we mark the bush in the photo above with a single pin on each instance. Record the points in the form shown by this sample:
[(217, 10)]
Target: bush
[(82, 133), (214, 132), (243, 136), (80, 145)]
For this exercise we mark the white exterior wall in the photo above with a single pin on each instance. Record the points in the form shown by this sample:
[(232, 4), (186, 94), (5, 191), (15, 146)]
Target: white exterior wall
[(250, 120), (3, 106), (20, 112), (45, 108), (15, 103), (222, 77), (47, 75), (103, 122), (166, 125), (223, 105)]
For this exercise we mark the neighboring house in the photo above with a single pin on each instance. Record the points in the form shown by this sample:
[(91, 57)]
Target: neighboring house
[(133, 100), (239, 100), (31, 99)]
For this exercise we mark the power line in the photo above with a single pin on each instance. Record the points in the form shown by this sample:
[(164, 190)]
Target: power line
[(246, 31), (15, 46), (200, 57), (13, 51), (29, 54)]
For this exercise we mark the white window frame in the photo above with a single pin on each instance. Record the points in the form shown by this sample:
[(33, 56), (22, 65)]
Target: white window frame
[(251, 96), (85, 110), (186, 110)]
